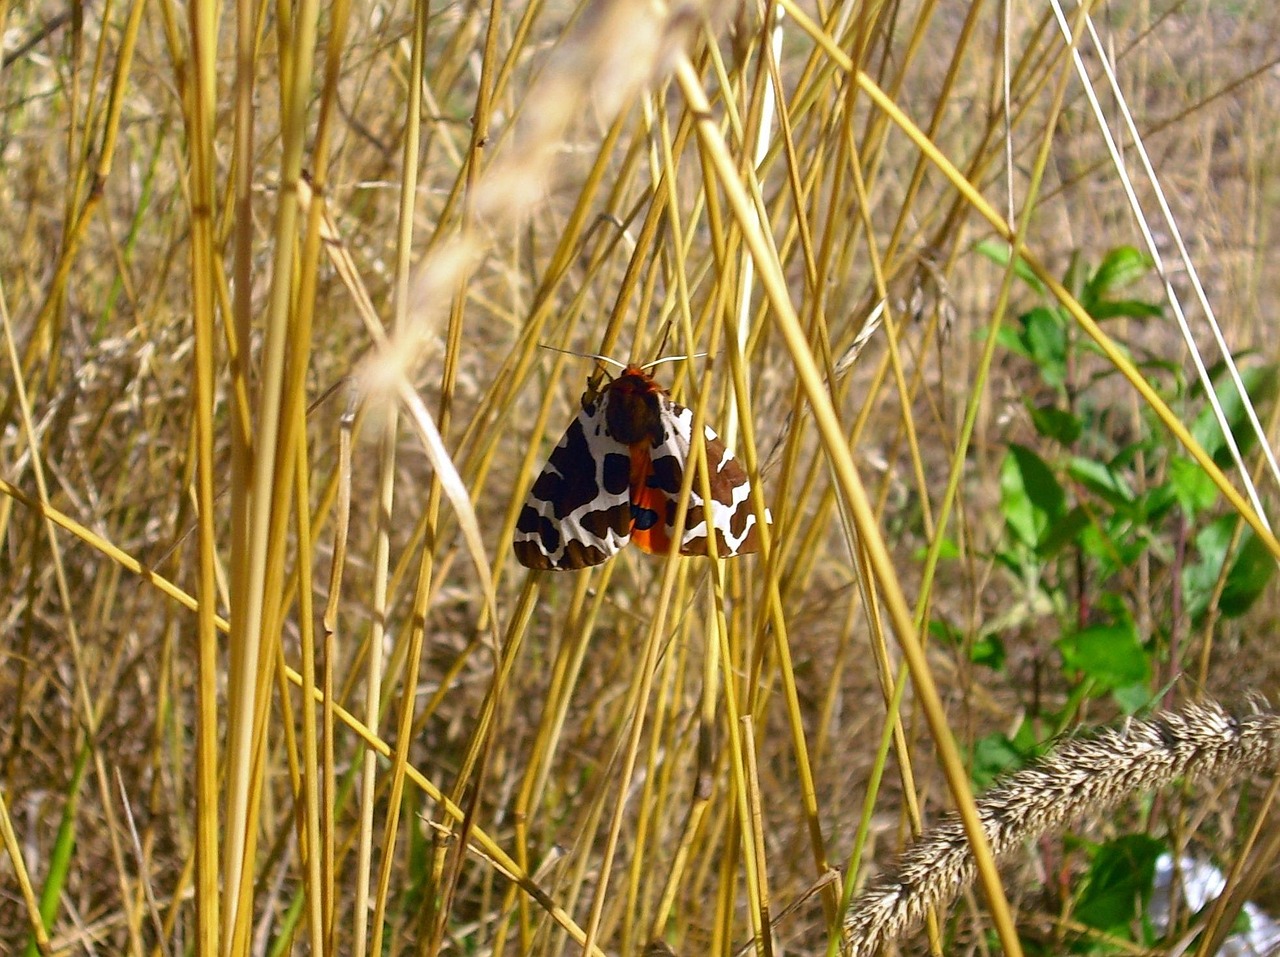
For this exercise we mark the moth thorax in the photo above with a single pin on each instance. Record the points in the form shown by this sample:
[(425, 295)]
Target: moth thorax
[(632, 412)]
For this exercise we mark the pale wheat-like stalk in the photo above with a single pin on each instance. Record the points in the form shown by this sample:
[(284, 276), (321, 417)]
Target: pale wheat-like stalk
[(1081, 776)]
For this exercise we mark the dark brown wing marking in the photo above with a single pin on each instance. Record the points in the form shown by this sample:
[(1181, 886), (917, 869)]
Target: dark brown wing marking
[(731, 515), (578, 512)]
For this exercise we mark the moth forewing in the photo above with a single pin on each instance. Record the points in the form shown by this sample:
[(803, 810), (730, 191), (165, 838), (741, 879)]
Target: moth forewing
[(578, 512), (729, 511)]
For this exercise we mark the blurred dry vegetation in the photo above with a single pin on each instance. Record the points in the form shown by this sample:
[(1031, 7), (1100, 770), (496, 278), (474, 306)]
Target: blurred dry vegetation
[(671, 751)]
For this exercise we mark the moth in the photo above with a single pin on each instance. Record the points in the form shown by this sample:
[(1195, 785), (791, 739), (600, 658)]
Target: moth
[(615, 478)]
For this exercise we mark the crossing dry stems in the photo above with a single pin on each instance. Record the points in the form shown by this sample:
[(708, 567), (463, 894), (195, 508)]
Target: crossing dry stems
[(494, 177)]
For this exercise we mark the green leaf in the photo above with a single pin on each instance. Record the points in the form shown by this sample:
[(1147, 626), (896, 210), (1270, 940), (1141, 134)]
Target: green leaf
[(997, 250), (1134, 698), (1064, 531), (1102, 480), (1201, 575), (989, 652), (1057, 424), (993, 755), (1122, 267), (1252, 569), (1191, 485), (1030, 496), (1098, 544), (942, 630), (1111, 655), (1089, 346), (948, 550), (1250, 574), (1044, 336), (1128, 456), (1075, 278), (986, 650), (1156, 503), (1261, 382), (1119, 884), (1125, 308), (1010, 339), (1127, 546), (1014, 560)]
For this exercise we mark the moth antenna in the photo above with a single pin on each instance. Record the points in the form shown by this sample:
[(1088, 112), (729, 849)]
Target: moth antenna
[(655, 362), (666, 334), (588, 355)]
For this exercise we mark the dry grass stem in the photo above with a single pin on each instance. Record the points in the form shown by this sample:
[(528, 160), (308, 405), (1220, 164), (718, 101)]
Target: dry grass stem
[(275, 285)]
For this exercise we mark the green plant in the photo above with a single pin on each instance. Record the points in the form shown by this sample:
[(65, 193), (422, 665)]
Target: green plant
[(1112, 541), (1100, 500)]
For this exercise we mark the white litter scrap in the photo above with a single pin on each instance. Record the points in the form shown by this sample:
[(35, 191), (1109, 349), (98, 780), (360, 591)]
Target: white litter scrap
[(1201, 882)]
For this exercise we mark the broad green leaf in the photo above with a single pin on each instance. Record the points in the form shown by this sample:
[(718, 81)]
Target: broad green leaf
[(1057, 424), (1076, 276), (1096, 542), (988, 651), (1134, 698), (947, 551), (1251, 572), (1252, 568), (1010, 339), (993, 755), (1045, 337), (1119, 884), (1201, 574), (1102, 480), (1194, 489), (1122, 267), (942, 630), (1125, 308), (1261, 382), (1111, 655), (1157, 502), (1064, 531), (1030, 496), (997, 250)]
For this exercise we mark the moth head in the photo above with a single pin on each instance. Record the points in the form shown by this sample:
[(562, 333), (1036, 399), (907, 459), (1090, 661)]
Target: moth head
[(633, 412)]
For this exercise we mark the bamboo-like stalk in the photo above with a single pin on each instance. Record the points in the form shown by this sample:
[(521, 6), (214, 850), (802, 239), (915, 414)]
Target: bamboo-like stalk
[(207, 228)]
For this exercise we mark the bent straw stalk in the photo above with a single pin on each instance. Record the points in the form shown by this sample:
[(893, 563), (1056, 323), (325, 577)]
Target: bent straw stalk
[(1080, 776)]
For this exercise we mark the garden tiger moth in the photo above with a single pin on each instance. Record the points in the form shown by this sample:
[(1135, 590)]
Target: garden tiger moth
[(615, 477)]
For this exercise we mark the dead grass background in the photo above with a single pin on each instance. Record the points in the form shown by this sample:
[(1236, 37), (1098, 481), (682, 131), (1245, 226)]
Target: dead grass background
[(656, 750)]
